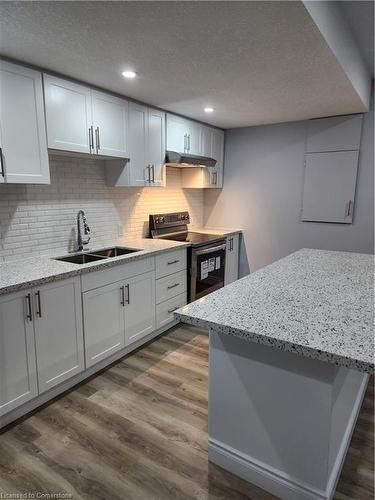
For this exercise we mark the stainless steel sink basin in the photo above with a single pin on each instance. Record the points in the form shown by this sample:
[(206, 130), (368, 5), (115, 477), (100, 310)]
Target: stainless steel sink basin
[(113, 252), (103, 253), (83, 258)]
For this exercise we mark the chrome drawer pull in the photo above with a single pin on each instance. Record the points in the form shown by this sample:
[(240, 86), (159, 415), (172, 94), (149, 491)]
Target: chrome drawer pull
[(173, 262), (39, 310), (173, 286)]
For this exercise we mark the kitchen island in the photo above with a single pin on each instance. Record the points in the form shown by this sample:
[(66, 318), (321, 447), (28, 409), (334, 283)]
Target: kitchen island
[(291, 350)]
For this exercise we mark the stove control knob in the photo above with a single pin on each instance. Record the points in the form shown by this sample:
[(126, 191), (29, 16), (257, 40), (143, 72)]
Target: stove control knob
[(161, 219), (157, 220)]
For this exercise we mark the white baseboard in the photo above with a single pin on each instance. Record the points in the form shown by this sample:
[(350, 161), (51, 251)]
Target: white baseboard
[(278, 482), (21, 411), (268, 478)]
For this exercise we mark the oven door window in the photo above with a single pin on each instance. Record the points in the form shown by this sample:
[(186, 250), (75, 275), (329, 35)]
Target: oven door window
[(210, 269)]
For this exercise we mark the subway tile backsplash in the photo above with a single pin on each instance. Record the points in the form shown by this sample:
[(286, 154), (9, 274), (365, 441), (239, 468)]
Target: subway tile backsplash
[(41, 219)]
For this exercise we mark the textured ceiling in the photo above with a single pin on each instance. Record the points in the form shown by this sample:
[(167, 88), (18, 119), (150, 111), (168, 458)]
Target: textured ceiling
[(255, 62)]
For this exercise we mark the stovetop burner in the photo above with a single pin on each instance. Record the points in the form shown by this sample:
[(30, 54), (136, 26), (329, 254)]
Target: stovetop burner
[(192, 237), (174, 227)]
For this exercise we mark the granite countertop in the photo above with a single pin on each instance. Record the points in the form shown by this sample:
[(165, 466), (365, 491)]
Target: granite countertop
[(314, 303), (20, 274)]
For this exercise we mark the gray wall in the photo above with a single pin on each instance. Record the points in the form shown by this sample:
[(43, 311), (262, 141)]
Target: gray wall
[(263, 191)]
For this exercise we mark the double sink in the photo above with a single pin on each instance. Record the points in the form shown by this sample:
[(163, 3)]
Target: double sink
[(104, 253)]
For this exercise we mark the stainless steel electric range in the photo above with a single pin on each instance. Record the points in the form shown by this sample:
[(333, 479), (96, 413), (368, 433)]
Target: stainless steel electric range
[(206, 255)]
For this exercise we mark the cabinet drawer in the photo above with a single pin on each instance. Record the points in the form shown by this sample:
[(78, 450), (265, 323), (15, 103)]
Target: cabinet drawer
[(170, 262), (170, 286), (164, 311), (117, 273)]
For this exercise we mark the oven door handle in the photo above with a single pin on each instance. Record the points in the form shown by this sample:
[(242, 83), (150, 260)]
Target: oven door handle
[(211, 249)]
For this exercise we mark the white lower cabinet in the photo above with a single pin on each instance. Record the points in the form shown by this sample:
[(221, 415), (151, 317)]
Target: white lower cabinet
[(18, 379), (41, 340), (231, 259), (58, 332), (139, 307), (165, 310), (103, 314), (118, 314)]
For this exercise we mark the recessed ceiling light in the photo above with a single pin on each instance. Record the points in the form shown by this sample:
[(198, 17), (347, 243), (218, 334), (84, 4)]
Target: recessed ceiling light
[(208, 109), (129, 74)]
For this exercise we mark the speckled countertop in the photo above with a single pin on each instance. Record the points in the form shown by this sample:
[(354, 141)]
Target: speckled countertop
[(315, 303), (20, 274)]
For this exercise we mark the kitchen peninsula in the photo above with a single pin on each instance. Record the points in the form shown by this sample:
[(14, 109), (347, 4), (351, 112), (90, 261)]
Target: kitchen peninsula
[(291, 349)]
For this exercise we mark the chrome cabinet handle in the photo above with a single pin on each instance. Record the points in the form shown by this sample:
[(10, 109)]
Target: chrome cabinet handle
[(97, 139), (172, 310), (348, 208), (185, 143), (153, 172), (173, 286), (2, 171), (172, 262), (122, 302), (127, 288), (29, 314), (188, 138), (39, 308), (91, 138), (148, 168)]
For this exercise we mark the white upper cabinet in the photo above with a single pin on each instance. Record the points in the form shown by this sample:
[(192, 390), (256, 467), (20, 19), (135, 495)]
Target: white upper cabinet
[(83, 120), (177, 132), (23, 153), (329, 186), (110, 123), (138, 164), (339, 133), (68, 115), (183, 136), (205, 141), (146, 150), (156, 145)]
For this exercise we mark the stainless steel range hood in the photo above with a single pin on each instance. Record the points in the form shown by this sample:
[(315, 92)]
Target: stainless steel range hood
[(186, 160)]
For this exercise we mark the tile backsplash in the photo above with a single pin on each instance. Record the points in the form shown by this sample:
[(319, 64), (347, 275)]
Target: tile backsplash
[(41, 219)]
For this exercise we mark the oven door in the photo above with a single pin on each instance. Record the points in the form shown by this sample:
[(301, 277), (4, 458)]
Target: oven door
[(207, 269)]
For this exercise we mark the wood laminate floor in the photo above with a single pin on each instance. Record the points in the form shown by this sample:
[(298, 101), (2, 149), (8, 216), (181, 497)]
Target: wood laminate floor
[(139, 431)]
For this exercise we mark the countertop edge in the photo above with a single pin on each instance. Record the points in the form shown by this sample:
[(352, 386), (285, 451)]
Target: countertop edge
[(96, 266), (282, 345)]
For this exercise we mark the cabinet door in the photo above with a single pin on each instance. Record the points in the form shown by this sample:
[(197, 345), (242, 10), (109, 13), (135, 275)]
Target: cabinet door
[(231, 259), (218, 155), (138, 164), (23, 144), (140, 308), (156, 145), (338, 133), (329, 186), (110, 122), (103, 313), (68, 115), (18, 382), (205, 142), (177, 131), (193, 137), (58, 332)]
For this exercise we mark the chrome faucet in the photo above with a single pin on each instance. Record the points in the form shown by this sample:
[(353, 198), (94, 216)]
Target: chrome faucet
[(82, 224)]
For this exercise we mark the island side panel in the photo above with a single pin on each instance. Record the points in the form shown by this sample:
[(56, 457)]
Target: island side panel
[(270, 416)]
